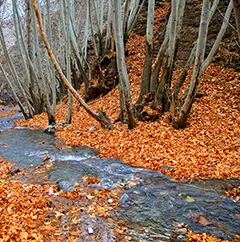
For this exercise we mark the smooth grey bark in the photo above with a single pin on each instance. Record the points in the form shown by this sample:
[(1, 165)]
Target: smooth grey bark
[(181, 122), (98, 35), (163, 92), (158, 62), (126, 14), (101, 14), (28, 51), (100, 116), (147, 69), (19, 41), (219, 37), (109, 22), (86, 33), (51, 75), (44, 90), (67, 23), (181, 79), (136, 9), (14, 92), (79, 56), (169, 45), (95, 36), (14, 74), (36, 95), (122, 69)]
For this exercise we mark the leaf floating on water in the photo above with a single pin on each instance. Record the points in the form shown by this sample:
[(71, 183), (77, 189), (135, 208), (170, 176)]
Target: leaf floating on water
[(203, 220), (164, 193), (46, 158), (189, 199)]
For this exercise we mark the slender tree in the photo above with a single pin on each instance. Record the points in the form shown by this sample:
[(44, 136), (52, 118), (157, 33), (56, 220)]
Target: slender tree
[(176, 101), (199, 59), (14, 74), (11, 85), (147, 69), (125, 95)]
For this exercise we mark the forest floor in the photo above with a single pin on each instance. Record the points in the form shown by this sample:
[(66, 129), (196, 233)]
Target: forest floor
[(208, 148)]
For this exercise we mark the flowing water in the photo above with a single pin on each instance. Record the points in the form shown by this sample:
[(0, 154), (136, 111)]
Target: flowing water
[(154, 207)]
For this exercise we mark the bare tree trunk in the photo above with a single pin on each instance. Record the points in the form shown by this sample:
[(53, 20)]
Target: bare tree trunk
[(219, 37), (14, 74), (201, 46), (100, 116), (236, 4), (163, 94), (44, 91), (67, 23), (34, 86), (14, 93), (80, 59), (133, 16), (175, 104), (28, 50), (147, 69), (122, 69), (126, 15), (51, 75), (109, 22), (179, 82), (158, 62), (17, 29)]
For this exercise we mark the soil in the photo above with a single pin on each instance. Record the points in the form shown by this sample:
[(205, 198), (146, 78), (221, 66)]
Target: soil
[(226, 55)]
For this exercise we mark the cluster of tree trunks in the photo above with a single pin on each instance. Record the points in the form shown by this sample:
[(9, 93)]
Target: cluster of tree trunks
[(109, 24), (157, 86)]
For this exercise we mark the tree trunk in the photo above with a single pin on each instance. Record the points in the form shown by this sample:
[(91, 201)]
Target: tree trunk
[(134, 16), (147, 69), (14, 93), (219, 37), (175, 104), (122, 69), (100, 116), (163, 94), (158, 63), (44, 93), (51, 75), (201, 46), (14, 74), (67, 23)]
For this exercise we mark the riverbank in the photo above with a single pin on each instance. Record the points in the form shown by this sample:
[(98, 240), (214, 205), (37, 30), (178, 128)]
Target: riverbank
[(208, 148), (47, 212), (34, 212)]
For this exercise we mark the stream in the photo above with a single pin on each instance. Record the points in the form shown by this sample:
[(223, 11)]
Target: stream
[(152, 205)]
